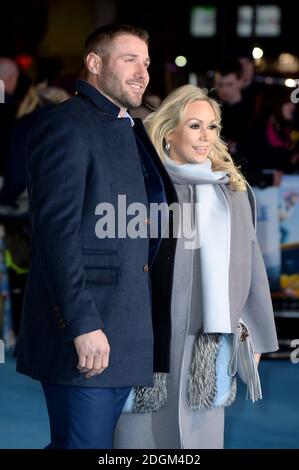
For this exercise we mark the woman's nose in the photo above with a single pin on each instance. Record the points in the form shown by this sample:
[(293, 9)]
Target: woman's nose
[(203, 134)]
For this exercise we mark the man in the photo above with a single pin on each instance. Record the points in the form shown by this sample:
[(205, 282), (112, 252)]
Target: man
[(88, 332)]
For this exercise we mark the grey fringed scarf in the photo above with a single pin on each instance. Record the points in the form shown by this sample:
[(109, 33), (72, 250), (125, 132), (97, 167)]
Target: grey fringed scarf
[(201, 386), (202, 377), (212, 229)]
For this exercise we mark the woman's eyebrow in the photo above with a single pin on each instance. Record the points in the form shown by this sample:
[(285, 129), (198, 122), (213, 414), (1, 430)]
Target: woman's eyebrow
[(197, 119)]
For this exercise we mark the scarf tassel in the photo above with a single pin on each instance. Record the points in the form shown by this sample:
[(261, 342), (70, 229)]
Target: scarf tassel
[(243, 363)]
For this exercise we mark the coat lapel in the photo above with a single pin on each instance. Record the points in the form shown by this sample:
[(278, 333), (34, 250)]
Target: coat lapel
[(242, 233)]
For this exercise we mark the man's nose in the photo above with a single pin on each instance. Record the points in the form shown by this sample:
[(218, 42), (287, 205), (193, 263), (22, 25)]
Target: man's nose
[(141, 71)]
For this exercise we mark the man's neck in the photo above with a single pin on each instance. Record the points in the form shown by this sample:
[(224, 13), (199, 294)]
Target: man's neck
[(122, 111)]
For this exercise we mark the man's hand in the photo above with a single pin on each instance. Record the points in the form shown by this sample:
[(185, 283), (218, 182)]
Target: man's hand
[(93, 351)]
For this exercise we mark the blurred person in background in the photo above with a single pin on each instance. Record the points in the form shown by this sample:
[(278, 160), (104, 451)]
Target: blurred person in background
[(235, 112), (38, 100), (248, 71), (9, 74), (222, 316), (251, 90), (271, 144), (149, 104), (14, 205)]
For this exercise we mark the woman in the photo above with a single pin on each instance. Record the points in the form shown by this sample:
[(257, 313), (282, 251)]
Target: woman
[(221, 306)]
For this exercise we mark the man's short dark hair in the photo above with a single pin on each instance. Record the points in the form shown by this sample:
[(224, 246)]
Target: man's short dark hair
[(100, 38)]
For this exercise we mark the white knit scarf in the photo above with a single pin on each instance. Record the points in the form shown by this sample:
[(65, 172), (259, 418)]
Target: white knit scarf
[(213, 223)]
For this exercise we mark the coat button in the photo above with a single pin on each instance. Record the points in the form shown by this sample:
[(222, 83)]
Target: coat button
[(146, 268)]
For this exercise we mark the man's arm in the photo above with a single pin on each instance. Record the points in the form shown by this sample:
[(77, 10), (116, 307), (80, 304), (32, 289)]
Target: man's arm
[(57, 167)]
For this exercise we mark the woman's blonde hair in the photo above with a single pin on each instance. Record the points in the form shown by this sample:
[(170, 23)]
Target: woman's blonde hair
[(170, 113)]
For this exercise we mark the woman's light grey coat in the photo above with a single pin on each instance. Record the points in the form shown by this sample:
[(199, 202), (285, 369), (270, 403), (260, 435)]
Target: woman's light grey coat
[(176, 425)]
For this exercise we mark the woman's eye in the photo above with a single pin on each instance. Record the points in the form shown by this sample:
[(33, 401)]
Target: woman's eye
[(197, 126)]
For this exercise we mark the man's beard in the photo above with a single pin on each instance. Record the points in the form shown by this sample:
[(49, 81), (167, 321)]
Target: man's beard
[(111, 86)]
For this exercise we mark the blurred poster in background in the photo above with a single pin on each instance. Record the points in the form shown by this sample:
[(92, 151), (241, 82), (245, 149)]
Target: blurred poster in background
[(278, 236), (268, 233), (289, 236)]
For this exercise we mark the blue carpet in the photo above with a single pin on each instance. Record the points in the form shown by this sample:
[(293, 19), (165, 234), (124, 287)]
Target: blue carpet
[(271, 423), (23, 414)]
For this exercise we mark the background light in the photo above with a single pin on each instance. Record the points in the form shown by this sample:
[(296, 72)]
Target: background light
[(257, 53), (180, 61), (290, 83)]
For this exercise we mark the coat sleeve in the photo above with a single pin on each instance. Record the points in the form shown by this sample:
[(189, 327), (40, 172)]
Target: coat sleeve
[(258, 313), (57, 164)]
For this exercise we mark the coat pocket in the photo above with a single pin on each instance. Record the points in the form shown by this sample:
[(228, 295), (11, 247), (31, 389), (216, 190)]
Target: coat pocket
[(101, 267)]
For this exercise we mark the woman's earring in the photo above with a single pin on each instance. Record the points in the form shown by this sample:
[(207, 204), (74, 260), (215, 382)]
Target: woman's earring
[(167, 147)]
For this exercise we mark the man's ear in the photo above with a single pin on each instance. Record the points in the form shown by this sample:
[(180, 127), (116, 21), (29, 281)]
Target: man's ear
[(93, 63)]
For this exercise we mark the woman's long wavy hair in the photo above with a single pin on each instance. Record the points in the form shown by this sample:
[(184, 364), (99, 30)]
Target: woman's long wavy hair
[(170, 113)]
